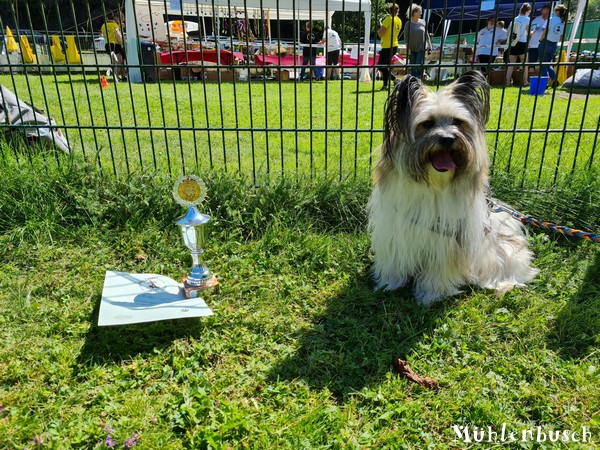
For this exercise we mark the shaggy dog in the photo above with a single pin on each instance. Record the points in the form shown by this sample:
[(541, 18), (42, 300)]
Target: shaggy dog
[(428, 213)]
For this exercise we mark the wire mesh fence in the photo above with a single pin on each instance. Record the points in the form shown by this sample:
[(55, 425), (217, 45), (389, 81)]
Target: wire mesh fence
[(267, 86)]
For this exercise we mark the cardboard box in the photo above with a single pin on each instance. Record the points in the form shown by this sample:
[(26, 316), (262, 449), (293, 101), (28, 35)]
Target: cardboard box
[(165, 74), (191, 71), (225, 75), (497, 77), (517, 77), (282, 75)]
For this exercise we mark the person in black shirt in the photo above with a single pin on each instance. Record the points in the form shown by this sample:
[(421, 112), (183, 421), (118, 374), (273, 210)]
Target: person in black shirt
[(309, 38)]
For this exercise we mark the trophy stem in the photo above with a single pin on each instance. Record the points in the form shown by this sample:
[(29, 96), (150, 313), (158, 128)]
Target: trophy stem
[(199, 274)]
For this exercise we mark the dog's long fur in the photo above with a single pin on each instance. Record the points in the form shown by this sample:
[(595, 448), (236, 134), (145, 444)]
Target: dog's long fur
[(434, 225)]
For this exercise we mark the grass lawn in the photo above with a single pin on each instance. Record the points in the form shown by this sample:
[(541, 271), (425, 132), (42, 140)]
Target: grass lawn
[(198, 126), (298, 352)]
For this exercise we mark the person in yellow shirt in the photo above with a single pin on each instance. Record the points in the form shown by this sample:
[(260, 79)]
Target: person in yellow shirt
[(389, 31), (113, 38)]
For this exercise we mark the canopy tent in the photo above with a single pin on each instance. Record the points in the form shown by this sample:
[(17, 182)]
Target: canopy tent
[(294, 9), (474, 10)]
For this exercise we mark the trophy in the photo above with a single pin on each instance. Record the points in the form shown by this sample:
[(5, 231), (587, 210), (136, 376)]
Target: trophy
[(188, 192)]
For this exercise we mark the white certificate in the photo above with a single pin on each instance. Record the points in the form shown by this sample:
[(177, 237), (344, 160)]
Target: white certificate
[(135, 298)]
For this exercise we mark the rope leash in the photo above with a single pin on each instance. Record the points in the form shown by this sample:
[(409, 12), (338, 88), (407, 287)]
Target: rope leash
[(528, 220)]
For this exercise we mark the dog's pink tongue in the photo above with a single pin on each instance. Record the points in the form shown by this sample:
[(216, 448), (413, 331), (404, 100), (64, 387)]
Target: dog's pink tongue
[(442, 161)]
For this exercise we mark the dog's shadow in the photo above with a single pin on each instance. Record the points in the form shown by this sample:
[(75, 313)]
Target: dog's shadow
[(351, 345), (576, 328)]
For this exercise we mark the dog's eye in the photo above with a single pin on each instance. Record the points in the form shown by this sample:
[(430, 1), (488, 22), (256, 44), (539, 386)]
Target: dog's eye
[(457, 122), (428, 124)]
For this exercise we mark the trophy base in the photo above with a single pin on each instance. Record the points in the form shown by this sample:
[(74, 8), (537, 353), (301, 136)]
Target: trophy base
[(193, 291)]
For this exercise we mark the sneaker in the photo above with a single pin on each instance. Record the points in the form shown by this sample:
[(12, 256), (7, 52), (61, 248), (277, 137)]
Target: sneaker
[(383, 88)]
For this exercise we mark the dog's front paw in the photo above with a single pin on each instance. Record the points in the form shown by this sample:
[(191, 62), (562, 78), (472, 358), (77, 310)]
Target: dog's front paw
[(391, 283), (425, 296)]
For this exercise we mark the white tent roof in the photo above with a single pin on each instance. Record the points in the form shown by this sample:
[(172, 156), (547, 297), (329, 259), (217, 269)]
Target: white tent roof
[(288, 10), (305, 5)]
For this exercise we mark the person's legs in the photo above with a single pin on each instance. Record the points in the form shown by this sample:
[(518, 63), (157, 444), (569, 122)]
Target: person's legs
[(533, 55), (411, 60), (305, 59), (509, 71), (541, 58), (417, 58), (335, 59), (484, 60), (385, 56), (549, 54)]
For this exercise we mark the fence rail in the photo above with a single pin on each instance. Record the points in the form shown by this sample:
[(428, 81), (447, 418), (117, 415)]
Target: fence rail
[(235, 102)]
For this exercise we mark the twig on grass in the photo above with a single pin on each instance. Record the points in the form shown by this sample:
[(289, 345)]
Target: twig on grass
[(402, 368)]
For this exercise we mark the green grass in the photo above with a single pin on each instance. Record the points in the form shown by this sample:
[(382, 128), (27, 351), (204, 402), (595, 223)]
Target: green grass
[(202, 126), (298, 352)]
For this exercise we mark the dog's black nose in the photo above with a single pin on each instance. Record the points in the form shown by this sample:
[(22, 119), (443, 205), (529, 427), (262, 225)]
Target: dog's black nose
[(446, 141)]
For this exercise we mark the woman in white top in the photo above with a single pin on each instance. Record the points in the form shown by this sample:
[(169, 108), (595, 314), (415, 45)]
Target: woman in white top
[(487, 43), (537, 27), (550, 37), (518, 41)]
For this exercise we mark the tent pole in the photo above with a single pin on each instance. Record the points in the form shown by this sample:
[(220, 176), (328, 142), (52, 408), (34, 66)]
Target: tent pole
[(364, 72), (580, 8), (132, 44)]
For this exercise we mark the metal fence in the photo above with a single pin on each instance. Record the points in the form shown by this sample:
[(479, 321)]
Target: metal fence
[(216, 84)]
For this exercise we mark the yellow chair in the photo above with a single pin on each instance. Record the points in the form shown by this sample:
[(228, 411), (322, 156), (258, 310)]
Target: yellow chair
[(561, 74), (26, 51), (73, 56), (11, 44), (58, 56)]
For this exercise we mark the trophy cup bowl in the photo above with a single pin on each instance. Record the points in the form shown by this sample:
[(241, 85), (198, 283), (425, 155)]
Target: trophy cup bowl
[(193, 230)]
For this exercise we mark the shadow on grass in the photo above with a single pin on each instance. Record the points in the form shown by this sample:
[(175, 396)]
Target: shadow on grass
[(577, 327), (116, 343), (90, 79), (352, 344)]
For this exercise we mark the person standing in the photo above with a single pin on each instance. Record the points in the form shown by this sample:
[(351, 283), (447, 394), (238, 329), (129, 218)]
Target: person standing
[(487, 44), (309, 38), (334, 44), (113, 44), (417, 39), (551, 35), (537, 27), (518, 41), (388, 32), (501, 38)]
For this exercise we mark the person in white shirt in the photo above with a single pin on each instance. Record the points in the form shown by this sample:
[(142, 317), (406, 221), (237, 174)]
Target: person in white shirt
[(551, 35), (502, 37), (487, 43), (537, 27), (334, 44), (518, 41)]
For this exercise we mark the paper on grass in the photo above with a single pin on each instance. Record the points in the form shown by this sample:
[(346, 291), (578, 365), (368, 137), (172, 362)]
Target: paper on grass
[(135, 298)]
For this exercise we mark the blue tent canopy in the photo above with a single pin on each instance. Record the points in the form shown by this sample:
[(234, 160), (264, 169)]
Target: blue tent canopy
[(473, 10)]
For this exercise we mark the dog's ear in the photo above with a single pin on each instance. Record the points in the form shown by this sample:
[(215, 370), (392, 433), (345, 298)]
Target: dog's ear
[(473, 90), (398, 109)]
